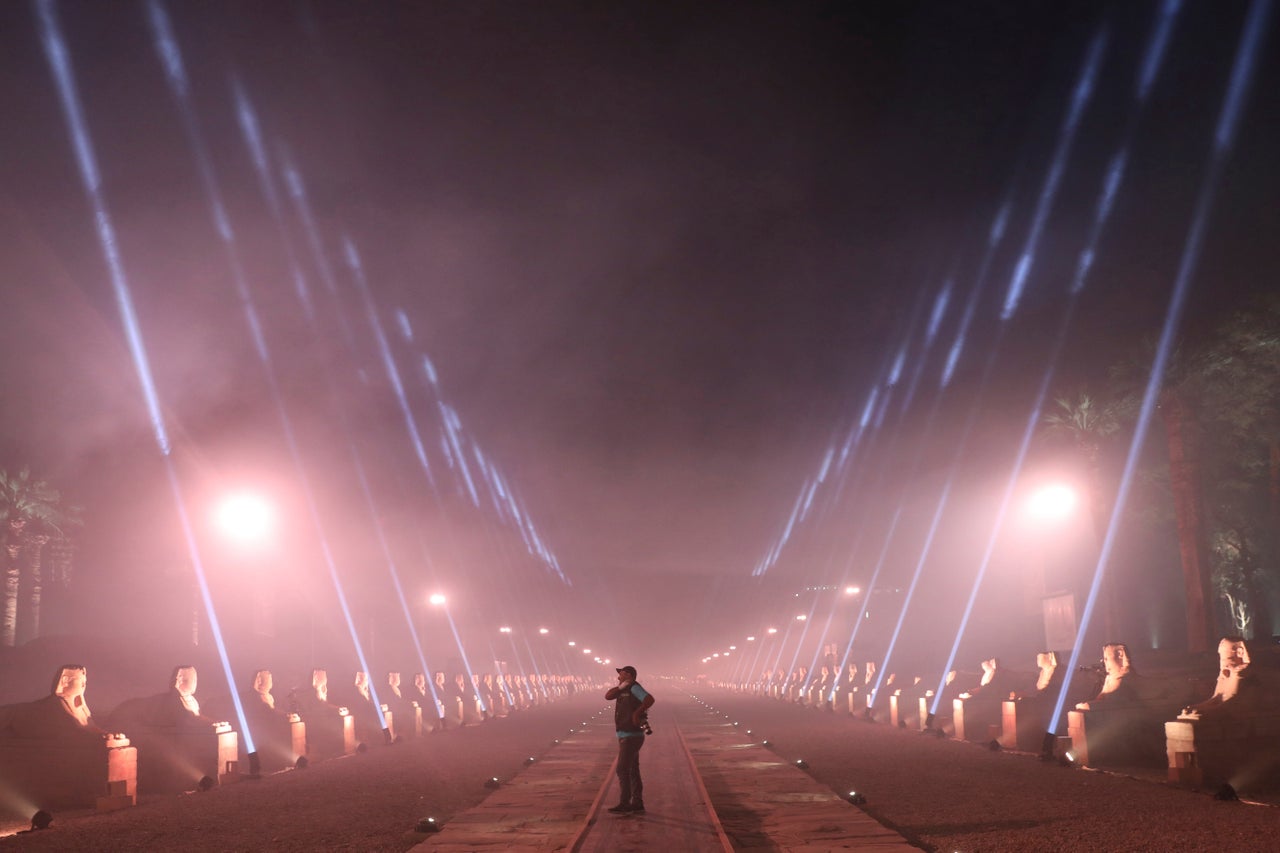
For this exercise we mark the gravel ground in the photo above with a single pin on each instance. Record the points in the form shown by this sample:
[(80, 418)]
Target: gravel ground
[(366, 802), (945, 795)]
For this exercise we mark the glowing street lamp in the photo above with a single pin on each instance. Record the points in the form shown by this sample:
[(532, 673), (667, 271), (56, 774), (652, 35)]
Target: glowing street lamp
[(437, 599), (245, 519), (852, 590), (1052, 503), (544, 631)]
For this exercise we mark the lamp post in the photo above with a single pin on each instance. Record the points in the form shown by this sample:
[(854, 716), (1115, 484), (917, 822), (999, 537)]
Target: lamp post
[(1051, 506), (246, 521)]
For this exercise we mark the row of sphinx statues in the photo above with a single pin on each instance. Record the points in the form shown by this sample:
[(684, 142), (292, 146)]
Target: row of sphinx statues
[(1112, 716), (1238, 687), (54, 751)]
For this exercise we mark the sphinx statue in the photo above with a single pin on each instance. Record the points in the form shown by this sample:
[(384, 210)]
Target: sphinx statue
[(1115, 660), (177, 707), (1235, 688), (61, 713), (1047, 663), (262, 684)]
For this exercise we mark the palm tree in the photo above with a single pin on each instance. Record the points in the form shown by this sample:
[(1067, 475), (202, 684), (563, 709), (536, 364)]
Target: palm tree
[(31, 510)]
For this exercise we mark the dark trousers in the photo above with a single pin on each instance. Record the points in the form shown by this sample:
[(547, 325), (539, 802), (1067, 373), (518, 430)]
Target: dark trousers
[(629, 784)]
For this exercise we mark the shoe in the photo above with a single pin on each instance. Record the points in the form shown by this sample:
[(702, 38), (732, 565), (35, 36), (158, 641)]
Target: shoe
[(638, 808), (621, 808)]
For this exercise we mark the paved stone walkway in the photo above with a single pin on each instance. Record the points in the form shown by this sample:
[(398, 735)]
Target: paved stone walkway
[(764, 803), (708, 788)]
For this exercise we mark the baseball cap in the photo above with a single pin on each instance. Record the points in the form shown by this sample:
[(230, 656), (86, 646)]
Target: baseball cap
[(629, 670)]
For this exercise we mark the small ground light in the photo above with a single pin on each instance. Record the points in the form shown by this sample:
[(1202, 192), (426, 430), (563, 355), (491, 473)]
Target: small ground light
[(492, 782), (766, 743), (993, 745), (1226, 794), (529, 761), (206, 783), (427, 824), (800, 762), (41, 819), (748, 731), (856, 798), (1070, 756)]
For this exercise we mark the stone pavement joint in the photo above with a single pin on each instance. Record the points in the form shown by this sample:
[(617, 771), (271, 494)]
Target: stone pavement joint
[(765, 803), (707, 788)]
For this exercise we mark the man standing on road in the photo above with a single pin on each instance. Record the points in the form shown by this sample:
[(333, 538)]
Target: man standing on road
[(629, 717)]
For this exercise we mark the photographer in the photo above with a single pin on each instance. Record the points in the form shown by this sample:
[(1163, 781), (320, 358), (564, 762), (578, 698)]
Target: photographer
[(630, 717)]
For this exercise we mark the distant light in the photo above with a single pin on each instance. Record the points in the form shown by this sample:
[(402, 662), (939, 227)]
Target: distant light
[(852, 590), (715, 654), (544, 630), (733, 648), (772, 631), (426, 825), (1052, 503), (505, 629), (586, 651), (751, 639), (437, 599), (801, 618), (572, 643), (245, 518)]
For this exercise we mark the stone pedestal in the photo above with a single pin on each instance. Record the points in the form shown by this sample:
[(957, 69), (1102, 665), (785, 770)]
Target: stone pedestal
[(176, 760), (280, 739), (1241, 749), (1024, 722), (82, 772), (330, 735), (1122, 735), (975, 720), (1079, 738)]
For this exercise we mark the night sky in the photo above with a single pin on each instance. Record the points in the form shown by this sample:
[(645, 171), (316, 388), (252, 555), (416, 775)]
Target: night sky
[(658, 255)]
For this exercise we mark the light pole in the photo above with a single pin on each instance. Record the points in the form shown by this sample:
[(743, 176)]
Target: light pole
[(246, 521), (1052, 505)]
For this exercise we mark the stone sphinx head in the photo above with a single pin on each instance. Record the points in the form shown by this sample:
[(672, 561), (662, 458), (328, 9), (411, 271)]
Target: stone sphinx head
[(1047, 663), (184, 683), (320, 684), (420, 682), (362, 684), (184, 680), (393, 682), (871, 671), (989, 668), (69, 685), (262, 684), (1233, 655), (439, 679), (1233, 662), (1115, 659)]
